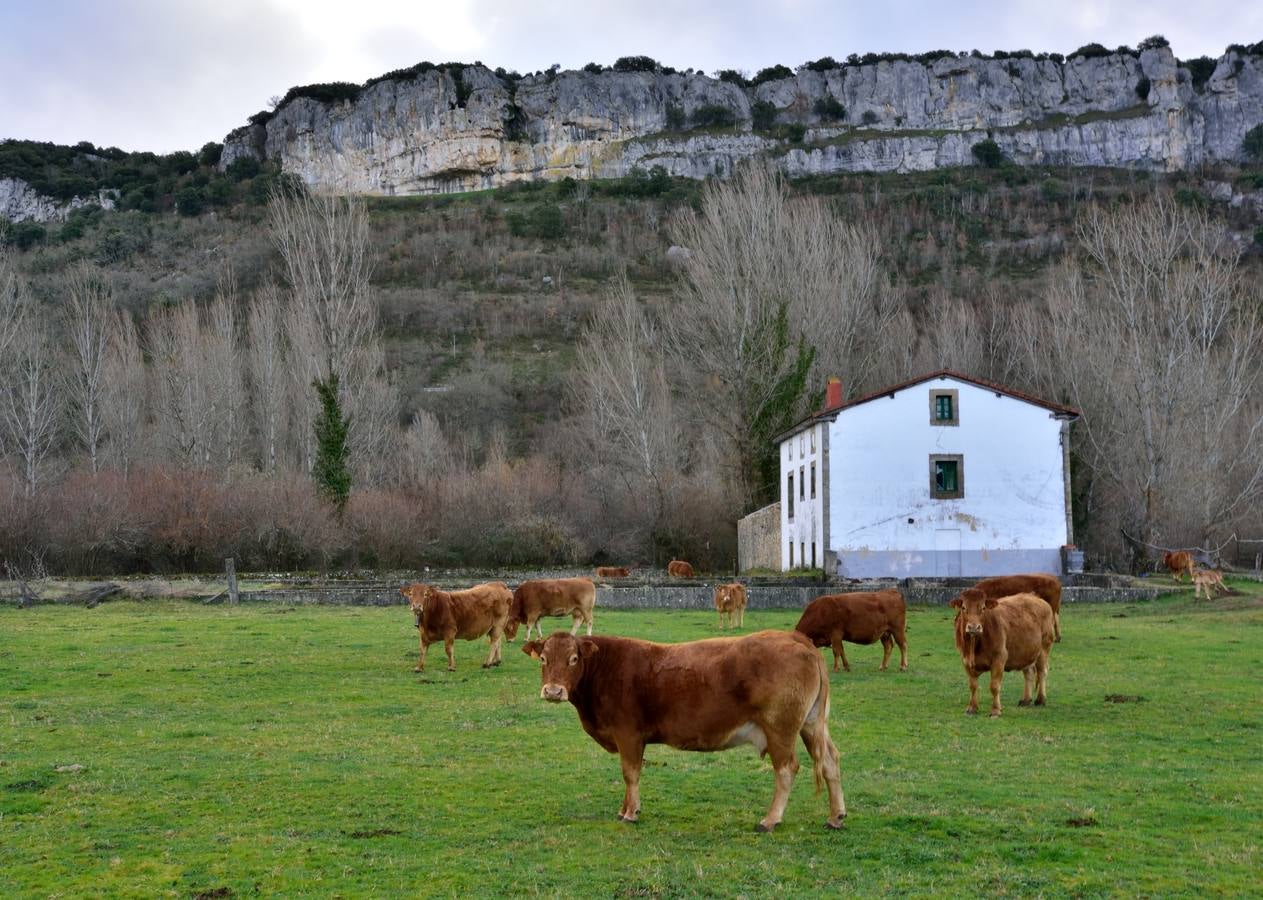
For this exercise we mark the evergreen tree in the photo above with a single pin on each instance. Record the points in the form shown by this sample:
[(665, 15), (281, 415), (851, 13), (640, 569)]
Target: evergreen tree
[(331, 471)]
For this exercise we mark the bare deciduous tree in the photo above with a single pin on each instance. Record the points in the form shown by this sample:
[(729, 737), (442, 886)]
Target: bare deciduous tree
[(32, 403), (268, 362), (778, 292), (1157, 339), (86, 325), (124, 397)]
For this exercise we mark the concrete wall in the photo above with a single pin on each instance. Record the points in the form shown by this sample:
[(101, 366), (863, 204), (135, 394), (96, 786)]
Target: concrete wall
[(883, 521), (759, 539)]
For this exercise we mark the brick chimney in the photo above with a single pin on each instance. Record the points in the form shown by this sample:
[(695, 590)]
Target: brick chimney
[(832, 393)]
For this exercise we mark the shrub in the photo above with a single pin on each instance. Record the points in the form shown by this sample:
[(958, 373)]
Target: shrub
[(771, 73), (762, 115), (1258, 235), (190, 201), (594, 68), (829, 109), (327, 92), (1153, 43), (1091, 51), (869, 117), (544, 222), (823, 64), (25, 235), (732, 76), (794, 132), (675, 117), (210, 153), (1142, 87), (1200, 69), (242, 167), (635, 64), (1252, 144), (988, 153), (713, 116)]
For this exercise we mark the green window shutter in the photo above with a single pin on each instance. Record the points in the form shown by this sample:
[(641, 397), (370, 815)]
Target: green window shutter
[(943, 407)]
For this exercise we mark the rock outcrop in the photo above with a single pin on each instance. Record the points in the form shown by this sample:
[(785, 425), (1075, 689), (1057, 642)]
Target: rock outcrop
[(19, 202), (456, 129)]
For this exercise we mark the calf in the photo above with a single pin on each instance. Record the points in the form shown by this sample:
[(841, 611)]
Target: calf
[(612, 571), (861, 618), (551, 597), (468, 615), (1004, 635), (730, 601), (1206, 579), (764, 689), (1179, 562), (1046, 586), (679, 569)]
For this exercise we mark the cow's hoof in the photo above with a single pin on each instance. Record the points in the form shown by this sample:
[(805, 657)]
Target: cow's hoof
[(995, 713), (417, 669), (451, 668), (627, 820), (765, 829), (1023, 703), (835, 824), (971, 712), (1041, 702)]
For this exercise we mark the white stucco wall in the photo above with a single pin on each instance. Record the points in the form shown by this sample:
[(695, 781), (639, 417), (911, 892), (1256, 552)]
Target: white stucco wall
[(882, 519), (797, 455)]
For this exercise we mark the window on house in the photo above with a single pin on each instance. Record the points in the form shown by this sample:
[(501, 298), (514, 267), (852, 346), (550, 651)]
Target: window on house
[(791, 554), (813, 440), (813, 554), (790, 494), (947, 477), (802, 444), (813, 481), (944, 407), (802, 484), (802, 553)]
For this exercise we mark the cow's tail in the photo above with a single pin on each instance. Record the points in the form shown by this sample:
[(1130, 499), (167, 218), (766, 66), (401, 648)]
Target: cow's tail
[(820, 735)]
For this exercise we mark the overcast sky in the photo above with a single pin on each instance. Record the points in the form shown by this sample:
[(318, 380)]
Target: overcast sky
[(165, 75)]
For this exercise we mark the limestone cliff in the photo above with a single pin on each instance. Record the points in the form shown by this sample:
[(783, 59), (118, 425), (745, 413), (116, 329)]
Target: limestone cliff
[(456, 129), (19, 202)]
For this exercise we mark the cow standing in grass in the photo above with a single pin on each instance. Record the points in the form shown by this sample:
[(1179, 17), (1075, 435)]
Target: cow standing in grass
[(468, 615), (1178, 562), (1005, 634), (551, 597), (861, 617), (730, 601), (678, 568), (1046, 586), (767, 689)]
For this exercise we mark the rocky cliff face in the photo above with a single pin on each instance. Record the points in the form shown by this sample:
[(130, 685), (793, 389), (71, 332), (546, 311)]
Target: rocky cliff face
[(467, 129), (19, 202)]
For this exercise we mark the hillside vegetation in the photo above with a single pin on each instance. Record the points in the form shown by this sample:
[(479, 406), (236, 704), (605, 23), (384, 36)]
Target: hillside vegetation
[(481, 301)]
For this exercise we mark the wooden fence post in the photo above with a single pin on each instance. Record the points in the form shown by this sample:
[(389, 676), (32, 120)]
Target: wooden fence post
[(230, 566)]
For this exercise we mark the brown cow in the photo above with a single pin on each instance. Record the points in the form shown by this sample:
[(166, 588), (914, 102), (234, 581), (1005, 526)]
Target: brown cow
[(468, 615), (1179, 562), (763, 689), (1004, 635), (730, 600), (1046, 586), (861, 618), (1208, 579), (551, 597), (679, 569), (612, 571)]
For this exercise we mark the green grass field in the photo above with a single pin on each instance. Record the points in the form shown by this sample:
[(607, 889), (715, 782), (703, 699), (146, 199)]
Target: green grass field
[(234, 751)]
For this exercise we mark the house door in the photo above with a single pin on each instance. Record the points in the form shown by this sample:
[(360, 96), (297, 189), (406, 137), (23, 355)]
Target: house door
[(947, 552)]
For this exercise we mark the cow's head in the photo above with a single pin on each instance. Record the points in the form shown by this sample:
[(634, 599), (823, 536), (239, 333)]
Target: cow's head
[(562, 658), (510, 628), (417, 596), (971, 604)]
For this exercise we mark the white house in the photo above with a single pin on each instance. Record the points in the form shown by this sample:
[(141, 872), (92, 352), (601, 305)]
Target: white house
[(942, 475)]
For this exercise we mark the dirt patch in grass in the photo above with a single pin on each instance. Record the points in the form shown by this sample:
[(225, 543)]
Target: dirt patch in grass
[(376, 832), (1083, 822), (1124, 698)]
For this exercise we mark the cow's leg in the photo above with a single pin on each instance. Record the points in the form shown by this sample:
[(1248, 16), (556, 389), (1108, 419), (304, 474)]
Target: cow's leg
[(721, 619), (1057, 626), (1041, 679), (784, 768), (887, 647), (972, 708), (632, 756), (838, 654), (997, 679), (815, 734), (841, 650), (741, 617), (451, 658), (578, 620), (1028, 675), (494, 658), (902, 640), (589, 622), (421, 662)]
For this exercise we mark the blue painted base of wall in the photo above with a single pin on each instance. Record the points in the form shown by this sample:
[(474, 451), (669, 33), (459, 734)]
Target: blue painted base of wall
[(945, 564)]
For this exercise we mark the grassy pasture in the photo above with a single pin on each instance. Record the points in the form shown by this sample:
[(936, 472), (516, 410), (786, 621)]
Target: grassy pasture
[(229, 751)]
